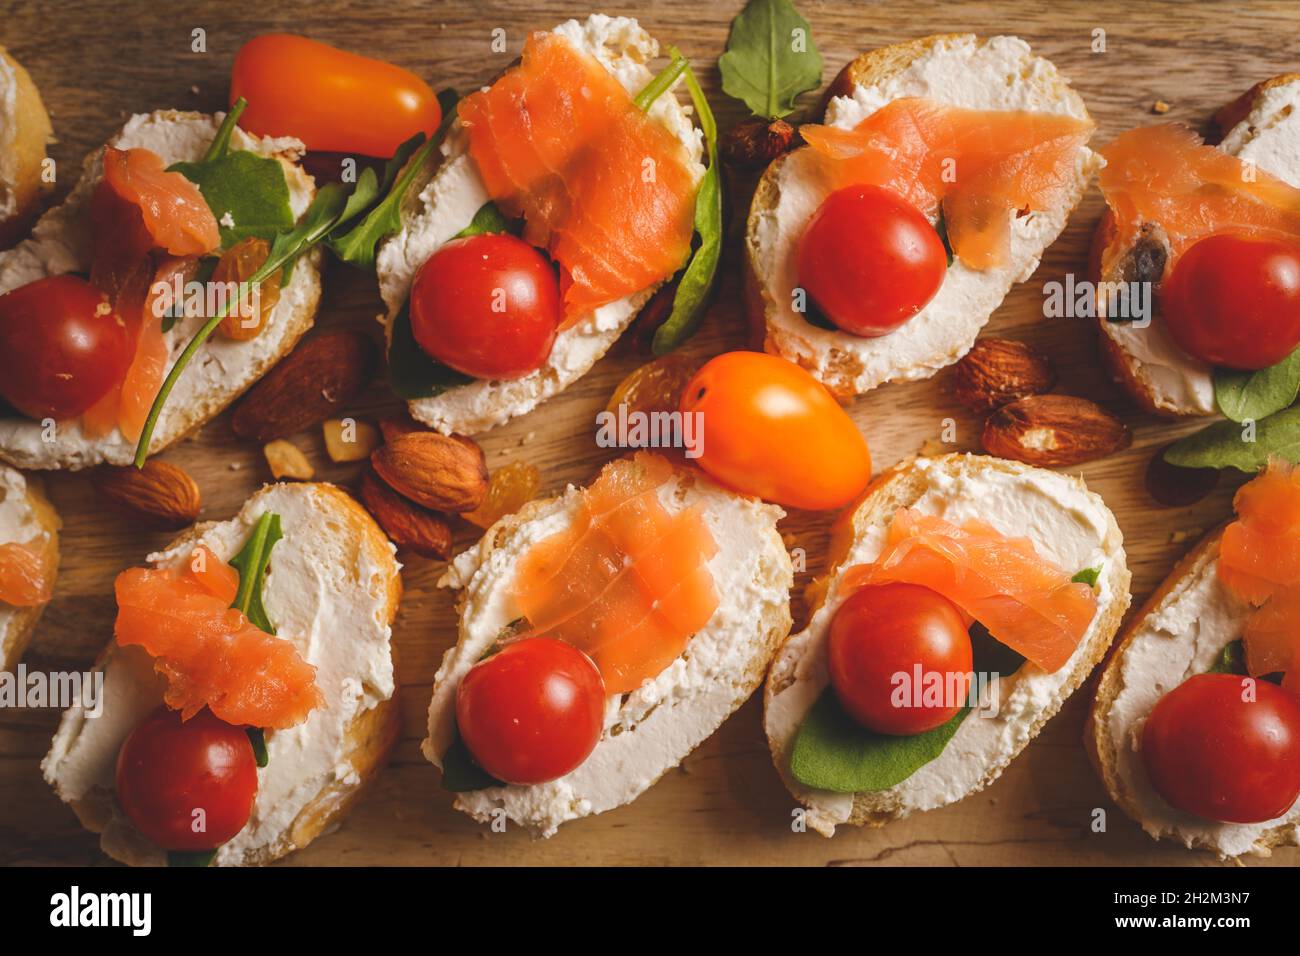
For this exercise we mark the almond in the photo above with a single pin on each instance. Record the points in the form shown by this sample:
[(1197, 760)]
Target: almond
[(411, 527), (318, 378), (395, 426), (286, 460), (440, 472), (998, 371), (162, 493), (347, 439), (1054, 430)]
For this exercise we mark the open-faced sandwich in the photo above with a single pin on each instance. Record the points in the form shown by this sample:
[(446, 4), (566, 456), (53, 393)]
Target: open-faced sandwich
[(563, 196), (1195, 728), (1213, 236), (946, 166), (966, 598), (604, 634), (24, 131), (29, 561), (100, 301), (247, 692)]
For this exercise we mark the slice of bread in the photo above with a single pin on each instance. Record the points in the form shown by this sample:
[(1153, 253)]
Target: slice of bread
[(223, 369), (996, 73), (1180, 631), (332, 588), (652, 729), (1067, 524), (24, 132), (1261, 126), (447, 194), (25, 515)]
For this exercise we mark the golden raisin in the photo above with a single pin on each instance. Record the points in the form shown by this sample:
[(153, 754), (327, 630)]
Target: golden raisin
[(656, 386), (509, 488), (238, 263)]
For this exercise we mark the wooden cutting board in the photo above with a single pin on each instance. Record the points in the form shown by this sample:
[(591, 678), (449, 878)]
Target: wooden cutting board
[(97, 64)]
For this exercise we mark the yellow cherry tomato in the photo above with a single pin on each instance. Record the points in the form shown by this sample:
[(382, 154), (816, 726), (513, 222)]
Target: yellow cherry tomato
[(330, 99), (772, 430)]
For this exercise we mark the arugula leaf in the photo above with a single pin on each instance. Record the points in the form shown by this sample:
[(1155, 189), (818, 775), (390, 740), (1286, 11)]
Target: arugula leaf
[(1087, 576), (1223, 445), (357, 246), (354, 247), (322, 215), (1255, 395), (762, 66), (460, 773), (251, 561), (661, 83), (697, 279), (257, 737), (1231, 660)]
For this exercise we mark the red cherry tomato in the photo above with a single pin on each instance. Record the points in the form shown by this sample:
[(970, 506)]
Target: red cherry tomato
[(878, 638), (330, 99), (487, 306), (1212, 753), (168, 769), (1235, 302), (533, 711), (870, 261), (62, 347), (768, 428)]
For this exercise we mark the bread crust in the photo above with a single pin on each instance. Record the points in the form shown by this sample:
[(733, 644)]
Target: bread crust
[(1097, 741), (900, 487), (370, 736), (1124, 368), (33, 131), (841, 368), (24, 621)]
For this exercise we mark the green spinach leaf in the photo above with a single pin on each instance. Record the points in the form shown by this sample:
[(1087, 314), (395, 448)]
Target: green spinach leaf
[(411, 371), (247, 193), (460, 773), (1227, 444), (770, 58), (833, 752), (357, 246), (1231, 660), (696, 282), (1255, 395), (251, 561)]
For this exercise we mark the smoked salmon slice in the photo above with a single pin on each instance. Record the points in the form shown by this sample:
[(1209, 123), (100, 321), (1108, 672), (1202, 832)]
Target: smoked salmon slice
[(1025, 601), (209, 652), (1165, 175), (625, 582), (1259, 562), (606, 190), (979, 167), (149, 225), (24, 577)]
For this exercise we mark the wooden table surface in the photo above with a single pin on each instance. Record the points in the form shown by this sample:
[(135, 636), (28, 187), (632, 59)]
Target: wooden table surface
[(96, 63)]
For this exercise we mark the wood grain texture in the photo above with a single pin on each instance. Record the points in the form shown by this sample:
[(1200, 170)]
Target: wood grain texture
[(96, 63)]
